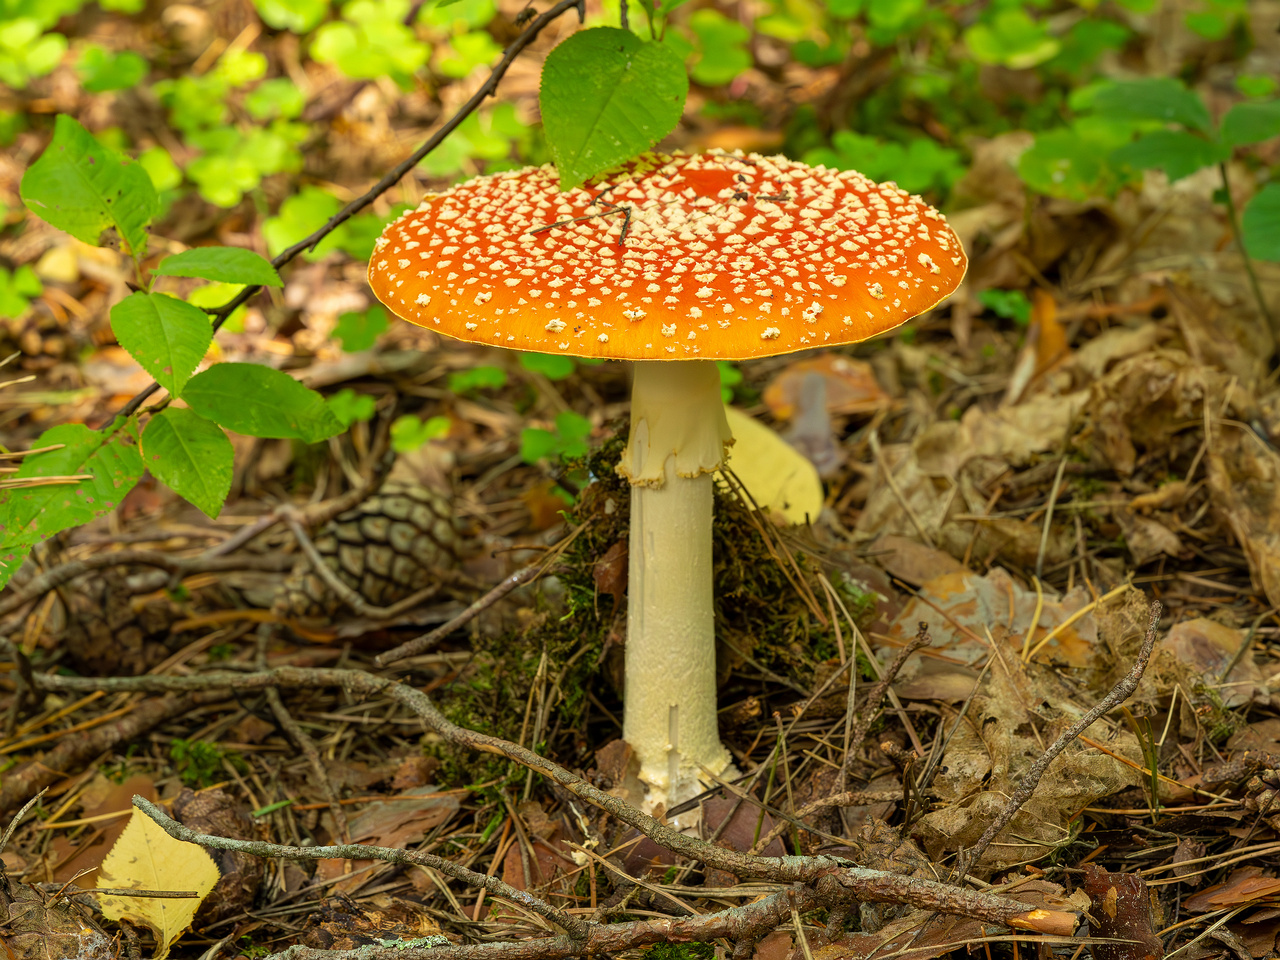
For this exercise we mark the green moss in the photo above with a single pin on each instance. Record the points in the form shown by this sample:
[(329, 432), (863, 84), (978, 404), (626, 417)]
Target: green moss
[(682, 951)]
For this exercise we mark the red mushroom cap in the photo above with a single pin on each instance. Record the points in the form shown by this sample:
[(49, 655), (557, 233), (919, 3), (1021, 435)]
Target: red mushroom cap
[(719, 256)]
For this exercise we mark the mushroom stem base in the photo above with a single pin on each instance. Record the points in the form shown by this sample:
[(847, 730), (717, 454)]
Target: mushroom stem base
[(670, 718)]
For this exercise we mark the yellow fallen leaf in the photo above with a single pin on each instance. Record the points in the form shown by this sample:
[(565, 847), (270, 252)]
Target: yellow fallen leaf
[(147, 858), (778, 476)]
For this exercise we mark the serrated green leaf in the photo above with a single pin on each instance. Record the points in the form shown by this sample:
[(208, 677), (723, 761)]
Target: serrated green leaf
[(408, 432), (11, 560), (191, 456), (1251, 123), (1155, 98), (225, 264), (29, 515), (1260, 224), (168, 336), (260, 402), (1178, 153), (80, 186), (606, 97)]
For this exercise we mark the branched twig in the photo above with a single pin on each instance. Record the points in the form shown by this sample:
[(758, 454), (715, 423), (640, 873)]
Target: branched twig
[(851, 882), (876, 694), (428, 640), (1118, 695), (178, 566), (486, 90), (576, 927)]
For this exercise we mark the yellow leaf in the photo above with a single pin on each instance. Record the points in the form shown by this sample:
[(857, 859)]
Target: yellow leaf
[(778, 476), (147, 858)]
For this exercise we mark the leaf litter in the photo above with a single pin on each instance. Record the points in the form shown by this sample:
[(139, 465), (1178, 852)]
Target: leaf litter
[(1006, 480)]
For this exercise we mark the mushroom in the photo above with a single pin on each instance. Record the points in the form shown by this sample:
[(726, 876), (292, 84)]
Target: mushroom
[(672, 262)]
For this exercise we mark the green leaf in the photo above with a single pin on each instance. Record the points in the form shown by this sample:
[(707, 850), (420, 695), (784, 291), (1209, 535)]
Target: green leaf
[(1260, 224), (1176, 152), (168, 336), (298, 16), (721, 44), (260, 402), (17, 290), (1251, 123), (101, 70), (191, 456), (408, 433), (477, 378), (1012, 39), (226, 264), (80, 186), (535, 444), (32, 514), (607, 96), (1156, 98), (350, 407), (553, 366), (360, 331), (1010, 304)]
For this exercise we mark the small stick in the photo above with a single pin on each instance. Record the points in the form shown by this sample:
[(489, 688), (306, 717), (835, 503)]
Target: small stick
[(877, 693), (576, 927), (1118, 695), (429, 640)]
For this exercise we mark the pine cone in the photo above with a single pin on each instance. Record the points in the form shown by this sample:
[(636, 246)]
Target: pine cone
[(109, 634), (387, 548)]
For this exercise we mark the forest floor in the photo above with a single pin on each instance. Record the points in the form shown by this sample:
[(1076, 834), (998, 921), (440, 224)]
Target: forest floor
[(1024, 486)]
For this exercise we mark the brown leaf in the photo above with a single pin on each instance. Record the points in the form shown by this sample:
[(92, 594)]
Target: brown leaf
[(1122, 910)]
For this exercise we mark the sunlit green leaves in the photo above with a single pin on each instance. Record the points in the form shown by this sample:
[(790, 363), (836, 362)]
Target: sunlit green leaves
[(408, 432), (167, 336), (102, 70), (360, 330), (278, 97), (466, 52), (1012, 39), (109, 462), (260, 402), (81, 187), (722, 52), (474, 379), (27, 52), (226, 264), (191, 456), (371, 40), (920, 165), (568, 440), (1010, 304), (606, 96), (350, 407), (1260, 224), (17, 290), (298, 16), (307, 211), (1073, 162)]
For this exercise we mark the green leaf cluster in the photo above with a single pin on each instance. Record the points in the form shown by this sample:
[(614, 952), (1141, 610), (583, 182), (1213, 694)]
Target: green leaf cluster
[(92, 192), (1128, 127), (568, 440)]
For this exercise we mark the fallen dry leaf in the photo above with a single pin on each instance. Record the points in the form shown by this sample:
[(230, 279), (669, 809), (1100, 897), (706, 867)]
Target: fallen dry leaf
[(147, 858), (779, 478)]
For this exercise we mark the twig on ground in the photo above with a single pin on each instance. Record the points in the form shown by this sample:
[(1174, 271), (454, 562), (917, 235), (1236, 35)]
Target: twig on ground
[(851, 882), (486, 90), (428, 640), (1118, 695), (293, 730), (576, 927), (176, 566), (876, 694)]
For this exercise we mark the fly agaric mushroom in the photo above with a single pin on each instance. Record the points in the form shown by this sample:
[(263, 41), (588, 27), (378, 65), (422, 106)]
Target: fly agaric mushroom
[(673, 262)]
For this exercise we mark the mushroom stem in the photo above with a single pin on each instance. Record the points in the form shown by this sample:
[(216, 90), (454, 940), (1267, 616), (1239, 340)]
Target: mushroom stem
[(678, 434)]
